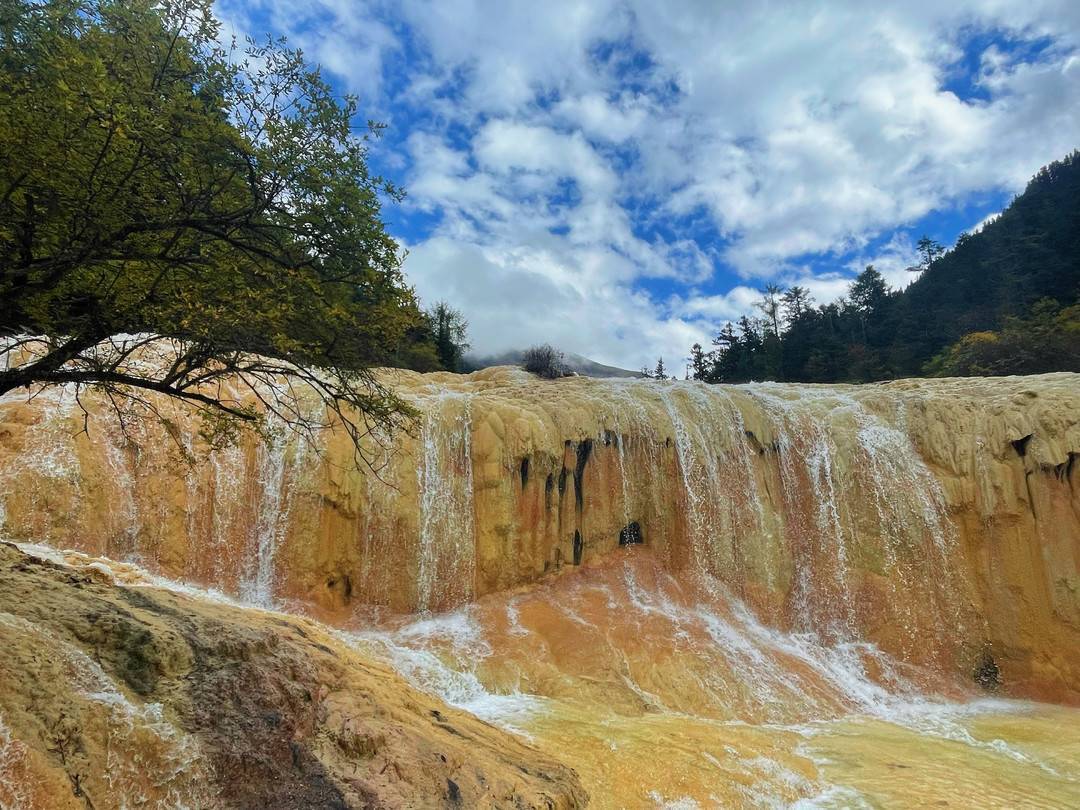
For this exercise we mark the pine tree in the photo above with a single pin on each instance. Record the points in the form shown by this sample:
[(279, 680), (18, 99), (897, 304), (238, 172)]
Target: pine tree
[(699, 363), (770, 307), (797, 303), (868, 290), (929, 251), (449, 330), (726, 356)]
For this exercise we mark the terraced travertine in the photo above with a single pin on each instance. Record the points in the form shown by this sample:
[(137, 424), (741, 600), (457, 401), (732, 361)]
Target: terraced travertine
[(939, 519)]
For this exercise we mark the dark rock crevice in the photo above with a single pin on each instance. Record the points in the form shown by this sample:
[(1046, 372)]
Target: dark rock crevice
[(1021, 445), (584, 450), (631, 534), (987, 674), (756, 445)]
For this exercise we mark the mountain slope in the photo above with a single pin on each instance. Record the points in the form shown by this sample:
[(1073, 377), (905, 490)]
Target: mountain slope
[(1031, 251), (1005, 300)]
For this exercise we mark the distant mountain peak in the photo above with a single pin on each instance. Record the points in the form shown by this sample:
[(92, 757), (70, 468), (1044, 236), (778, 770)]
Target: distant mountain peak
[(577, 363)]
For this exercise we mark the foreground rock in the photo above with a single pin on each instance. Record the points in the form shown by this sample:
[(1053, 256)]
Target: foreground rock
[(117, 696)]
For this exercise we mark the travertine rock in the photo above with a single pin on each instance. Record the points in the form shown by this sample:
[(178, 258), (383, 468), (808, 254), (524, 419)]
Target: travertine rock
[(938, 518), (115, 697)]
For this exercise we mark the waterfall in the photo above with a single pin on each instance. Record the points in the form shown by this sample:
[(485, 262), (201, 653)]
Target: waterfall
[(836, 458), (225, 492), (446, 560), (628, 417), (271, 517), (49, 461), (812, 483), (127, 520), (724, 506), (811, 503), (698, 469), (829, 577), (917, 538)]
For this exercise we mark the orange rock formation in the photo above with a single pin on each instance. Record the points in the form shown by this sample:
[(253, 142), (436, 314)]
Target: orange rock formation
[(939, 519), (120, 697)]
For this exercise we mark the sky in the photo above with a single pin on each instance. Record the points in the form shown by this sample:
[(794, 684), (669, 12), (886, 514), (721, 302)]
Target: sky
[(619, 178)]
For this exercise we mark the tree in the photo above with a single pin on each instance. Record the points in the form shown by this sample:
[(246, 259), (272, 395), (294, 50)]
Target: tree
[(449, 331), (1047, 338), (699, 363), (728, 355), (929, 252), (979, 311), (770, 307), (750, 332), (154, 184), (544, 361), (726, 339), (867, 292), (660, 372), (796, 303)]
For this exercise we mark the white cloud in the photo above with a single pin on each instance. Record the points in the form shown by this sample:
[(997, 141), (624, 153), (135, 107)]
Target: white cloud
[(574, 148), (982, 223), (531, 294)]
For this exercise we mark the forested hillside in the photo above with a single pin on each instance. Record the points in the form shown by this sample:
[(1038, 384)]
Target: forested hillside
[(1001, 301)]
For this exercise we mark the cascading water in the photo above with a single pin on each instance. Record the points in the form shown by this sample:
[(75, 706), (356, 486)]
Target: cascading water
[(628, 417), (278, 461), (446, 554), (799, 626), (225, 491), (659, 695), (725, 513), (812, 484), (49, 457), (834, 455)]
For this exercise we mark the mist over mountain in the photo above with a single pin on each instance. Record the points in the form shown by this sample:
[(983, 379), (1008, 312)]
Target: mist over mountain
[(573, 362)]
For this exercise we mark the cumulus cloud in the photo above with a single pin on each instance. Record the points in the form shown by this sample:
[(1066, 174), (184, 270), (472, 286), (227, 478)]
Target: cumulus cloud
[(538, 293), (619, 176)]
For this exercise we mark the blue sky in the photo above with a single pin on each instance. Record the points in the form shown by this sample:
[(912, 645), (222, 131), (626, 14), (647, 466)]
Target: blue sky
[(618, 178)]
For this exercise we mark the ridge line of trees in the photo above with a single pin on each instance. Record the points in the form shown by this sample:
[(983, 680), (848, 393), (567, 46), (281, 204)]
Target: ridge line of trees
[(1005, 300)]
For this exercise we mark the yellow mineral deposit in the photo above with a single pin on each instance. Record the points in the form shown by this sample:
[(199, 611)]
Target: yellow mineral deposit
[(692, 596)]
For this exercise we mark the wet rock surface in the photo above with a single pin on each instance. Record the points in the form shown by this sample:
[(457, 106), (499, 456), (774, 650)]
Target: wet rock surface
[(935, 518), (116, 696)]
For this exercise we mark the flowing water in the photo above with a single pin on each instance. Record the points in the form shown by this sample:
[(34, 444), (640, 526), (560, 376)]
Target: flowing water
[(663, 689), (149, 762), (445, 486), (738, 672), (662, 694)]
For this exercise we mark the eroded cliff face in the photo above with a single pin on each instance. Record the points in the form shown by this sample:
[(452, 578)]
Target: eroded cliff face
[(119, 697), (939, 519)]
